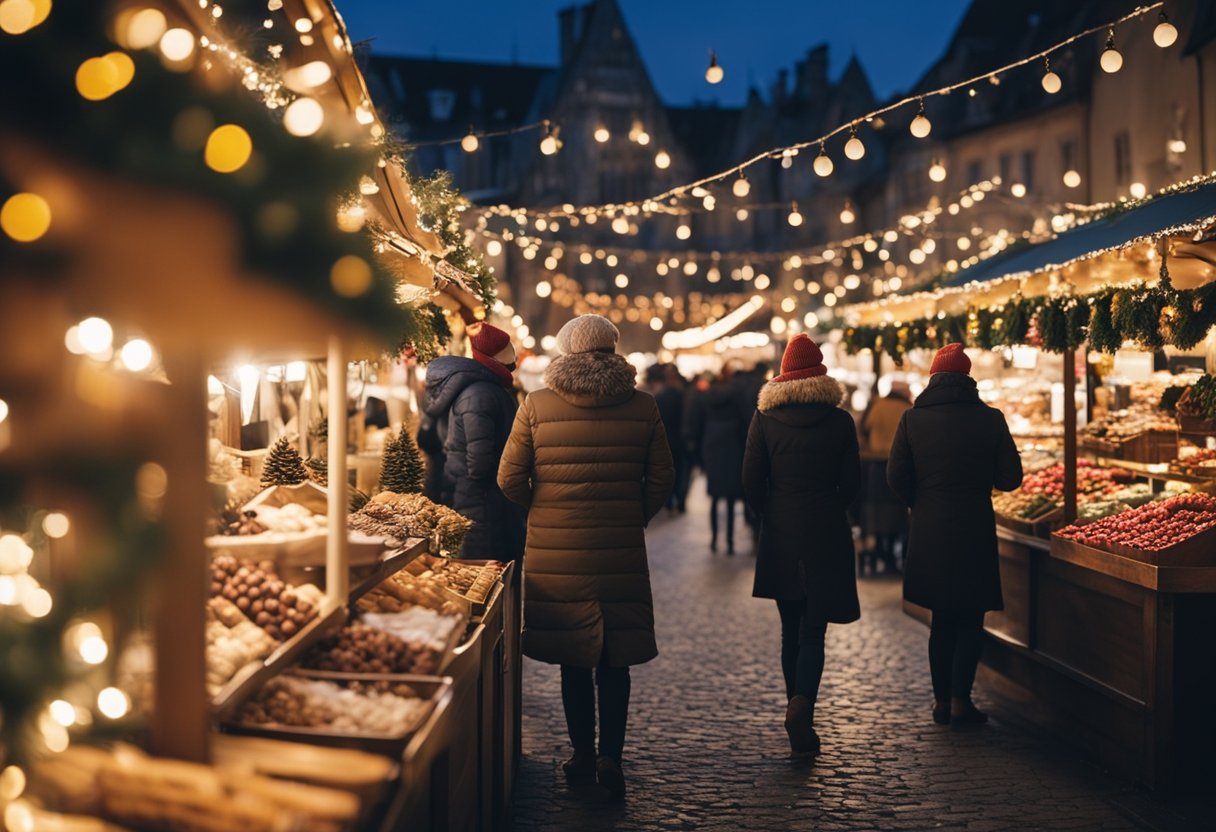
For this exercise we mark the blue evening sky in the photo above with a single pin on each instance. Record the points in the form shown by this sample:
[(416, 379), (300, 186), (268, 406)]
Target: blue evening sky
[(895, 39)]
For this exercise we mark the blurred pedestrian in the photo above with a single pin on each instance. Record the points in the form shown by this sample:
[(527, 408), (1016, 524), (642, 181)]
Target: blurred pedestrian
[(885, 517), (588, 458), (800, 472), (719, 435), (747, 387), (949, 452), (663, 382), (473, 404)]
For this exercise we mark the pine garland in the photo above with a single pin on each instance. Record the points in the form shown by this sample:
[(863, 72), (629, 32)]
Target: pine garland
[(439, 208)]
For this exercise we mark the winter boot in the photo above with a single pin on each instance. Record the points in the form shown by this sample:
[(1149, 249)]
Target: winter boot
[(799, 725), (608, 773), (580, 768)]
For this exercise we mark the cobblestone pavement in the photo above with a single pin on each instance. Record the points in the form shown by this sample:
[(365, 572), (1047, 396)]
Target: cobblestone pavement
[(706, 748)]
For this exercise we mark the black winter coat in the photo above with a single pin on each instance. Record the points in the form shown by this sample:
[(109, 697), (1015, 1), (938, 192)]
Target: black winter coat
[(949, 452), (720, 433), (474, 412), (801, 471)]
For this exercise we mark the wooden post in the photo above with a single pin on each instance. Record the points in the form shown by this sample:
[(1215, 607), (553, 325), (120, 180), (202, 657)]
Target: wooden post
[(1070, 435), (337, 572), (181, 719)]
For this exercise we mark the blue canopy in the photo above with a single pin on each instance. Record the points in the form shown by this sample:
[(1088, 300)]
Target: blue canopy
[(1177, 212)]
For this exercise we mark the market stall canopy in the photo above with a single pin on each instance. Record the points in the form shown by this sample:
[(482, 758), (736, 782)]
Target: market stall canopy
[(1113, 250)]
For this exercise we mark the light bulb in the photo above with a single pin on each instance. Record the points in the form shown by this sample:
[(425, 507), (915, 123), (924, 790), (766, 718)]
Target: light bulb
[(713, 73), (643, 138), (662, 160), (1165, 34), (795, 218), (303, 117), (742, 187), (1111, 60), (548, 145), (853, 148), (543, 289), (136, 355), (846, 214), (742, 214), (683, 231), (823, 162), (601, 133), (1137, 190), (95, 335), (1051, 82), (1018, 190), (470, 142), (1071, 178), (937, 171), (622, 280), (920, 125), (620, 225), (177, 44)]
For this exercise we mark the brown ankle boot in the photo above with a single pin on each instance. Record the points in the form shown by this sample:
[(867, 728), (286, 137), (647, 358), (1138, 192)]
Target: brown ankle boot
[(799, 725), (580, 768)]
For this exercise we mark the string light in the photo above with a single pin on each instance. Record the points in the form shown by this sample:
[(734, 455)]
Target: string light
[(683, 231), (937, 171), (1138, 190), (1051, 81), (920, 127), (25, 217), (823, 162), (853, 148), (601, 133), (795, 218), (137, 355), (741, 187), (620, 225), (714, 72), (303, 117), (1165, 33), (470, 142), (1072, 179), (1111, 59), (1018, 190), (662, 160), (550, 144), (847, 216), (177, 45)]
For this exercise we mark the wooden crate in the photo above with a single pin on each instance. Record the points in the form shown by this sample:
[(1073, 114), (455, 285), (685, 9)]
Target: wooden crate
[(1150, 447)]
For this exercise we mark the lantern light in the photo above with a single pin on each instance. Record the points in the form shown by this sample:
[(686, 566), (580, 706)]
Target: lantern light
[(1111, 60), (795, 218), (921, 125), (1072, 179), (853, 148), (937, 171), (470, 142), (662, 160), (823, 162), (741, 187), (714, 72), (1165, 33)]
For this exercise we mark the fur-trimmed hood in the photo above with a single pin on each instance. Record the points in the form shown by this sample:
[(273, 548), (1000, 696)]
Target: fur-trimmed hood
[(817, 390), (592, 379)]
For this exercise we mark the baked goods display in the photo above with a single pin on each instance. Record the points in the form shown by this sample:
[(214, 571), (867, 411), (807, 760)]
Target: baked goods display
[(284, 521), (357, 708), (233, 641), (403, 590), (473, 581), (403, 516), (362, 648), (279, 608), (417, 625)]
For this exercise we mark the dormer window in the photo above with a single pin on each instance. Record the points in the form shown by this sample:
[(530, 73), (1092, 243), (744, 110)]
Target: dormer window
[(442, 103)]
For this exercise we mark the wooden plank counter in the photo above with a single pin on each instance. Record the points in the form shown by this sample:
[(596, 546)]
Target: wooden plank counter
[(1114, 654)]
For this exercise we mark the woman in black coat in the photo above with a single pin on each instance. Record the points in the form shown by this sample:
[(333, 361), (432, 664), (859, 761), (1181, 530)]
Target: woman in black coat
[(800, 471), (949, 452), (719, 432)]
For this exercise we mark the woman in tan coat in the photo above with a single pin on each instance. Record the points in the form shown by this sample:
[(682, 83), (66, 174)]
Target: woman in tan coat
[(589, 459)]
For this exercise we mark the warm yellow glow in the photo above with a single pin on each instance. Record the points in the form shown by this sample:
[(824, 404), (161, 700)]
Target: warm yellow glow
[(683, 231), (93, 648), (543, 289), (113, 703), (144, 28), (823, 165), (37, 603), (714, 73), (12, 783), (548, 145), (303, 25), (854, 149), (778, 326), (601, 133), (228, 148), (15, 554), (795, 218), (470, 143), (742, 214), (921, 126), (25, 217), (303, 117), (851, 281), (1176, 146), (3, 410), (662, 160), (763, 281), (1165, 33), (1072, 179), (937, 171), (177, 44), (56, 524), (493, 248), (1111, 60), (16, 16), (621, 281), (96, 78), (656, 324), (847, 217), (1052, 83), (1138, 190), (789, 305), (1017, 189), (350, 276), (741, 187), (964, 243), (309, 75), (95, 334), (620, 225), (136, 355), (643, 138)]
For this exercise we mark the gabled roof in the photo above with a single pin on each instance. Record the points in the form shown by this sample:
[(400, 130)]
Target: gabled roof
[(439, 99)]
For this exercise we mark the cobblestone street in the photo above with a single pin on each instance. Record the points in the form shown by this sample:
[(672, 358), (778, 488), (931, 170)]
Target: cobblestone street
[(706, 748)]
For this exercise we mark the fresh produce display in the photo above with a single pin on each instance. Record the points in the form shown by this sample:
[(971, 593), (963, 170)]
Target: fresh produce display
[(402, 516), (362, 648), (1120, 425), (291, 701), (1037, 457), (1150, 528), (232, 642), (257, 591), (1023, 505), (1096, 510), (1201, 463), (1133, 495), (1200, 398)]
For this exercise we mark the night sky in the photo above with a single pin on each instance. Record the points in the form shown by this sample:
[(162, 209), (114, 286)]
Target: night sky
[(895, 39)]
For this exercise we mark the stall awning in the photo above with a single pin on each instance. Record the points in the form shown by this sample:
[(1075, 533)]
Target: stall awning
[(1182, 212)]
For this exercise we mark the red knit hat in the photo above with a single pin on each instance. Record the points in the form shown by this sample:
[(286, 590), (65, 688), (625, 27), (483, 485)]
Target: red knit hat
[(492, 348), (802, 359), (951, 359)]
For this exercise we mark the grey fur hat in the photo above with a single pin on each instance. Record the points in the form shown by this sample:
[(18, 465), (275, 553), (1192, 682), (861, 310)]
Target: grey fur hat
[(587, 333)]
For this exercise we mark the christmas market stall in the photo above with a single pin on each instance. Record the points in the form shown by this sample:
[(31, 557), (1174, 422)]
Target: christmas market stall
[(1099, 345), (203, 623)]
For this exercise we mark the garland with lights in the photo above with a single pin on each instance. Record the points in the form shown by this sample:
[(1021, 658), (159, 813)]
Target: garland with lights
[(109, 562), (439, 210)]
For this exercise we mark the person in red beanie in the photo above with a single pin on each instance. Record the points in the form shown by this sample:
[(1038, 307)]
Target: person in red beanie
[(473, 403), (801, 470), (950, 451)]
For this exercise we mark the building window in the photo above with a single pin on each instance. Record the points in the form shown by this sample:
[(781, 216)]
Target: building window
[(1006, 168), (1123, 158), (975, 171), (1028, 169)]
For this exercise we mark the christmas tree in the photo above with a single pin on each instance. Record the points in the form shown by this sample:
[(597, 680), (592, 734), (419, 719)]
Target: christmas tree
[(283, 465), (402, 470)]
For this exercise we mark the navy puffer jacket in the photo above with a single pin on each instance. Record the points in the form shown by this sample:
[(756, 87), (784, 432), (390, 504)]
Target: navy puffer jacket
[(474, 412)]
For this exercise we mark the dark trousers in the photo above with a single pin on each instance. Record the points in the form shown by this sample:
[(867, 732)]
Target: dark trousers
[(679, 490), (801, 650), (730, 520), (956, 638), (578, 700)]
